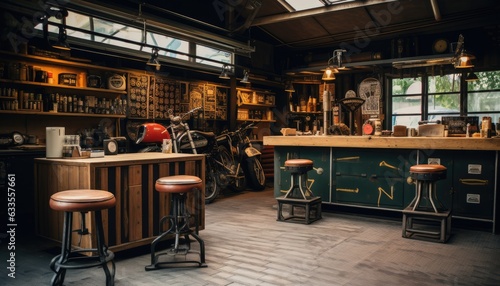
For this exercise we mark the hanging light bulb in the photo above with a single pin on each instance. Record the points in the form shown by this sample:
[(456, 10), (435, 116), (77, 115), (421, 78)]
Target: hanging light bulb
[(464, 61), (329, 74)]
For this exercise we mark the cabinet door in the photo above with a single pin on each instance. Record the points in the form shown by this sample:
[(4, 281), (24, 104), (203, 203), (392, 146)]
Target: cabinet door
[(370, 178), (319, 177), (474, 181), (281, 177), (444, 187)]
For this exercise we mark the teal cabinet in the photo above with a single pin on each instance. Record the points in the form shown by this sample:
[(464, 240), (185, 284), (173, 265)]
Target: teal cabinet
[(368, 178), (469, 188)]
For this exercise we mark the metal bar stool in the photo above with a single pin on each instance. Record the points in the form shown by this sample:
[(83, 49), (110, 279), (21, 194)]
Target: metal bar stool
[(425, 205), (83, 201), (178, 186), (299, 195)]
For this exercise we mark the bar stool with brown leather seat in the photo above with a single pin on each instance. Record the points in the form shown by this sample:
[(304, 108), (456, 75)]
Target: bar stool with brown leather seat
[(178, 187), (83, 201), (426, 206), (299, 195)]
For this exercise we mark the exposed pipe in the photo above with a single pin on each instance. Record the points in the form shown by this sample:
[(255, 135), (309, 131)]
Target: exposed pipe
[(435, 10)]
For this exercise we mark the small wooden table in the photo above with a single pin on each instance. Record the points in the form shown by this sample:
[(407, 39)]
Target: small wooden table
[(131, 178)]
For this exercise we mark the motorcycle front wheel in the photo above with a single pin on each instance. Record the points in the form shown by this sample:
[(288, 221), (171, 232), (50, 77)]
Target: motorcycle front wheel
[(235, 176), (211, 187), (256, 178)]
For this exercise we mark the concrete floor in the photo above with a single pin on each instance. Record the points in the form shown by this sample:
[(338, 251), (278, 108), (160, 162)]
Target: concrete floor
[(245, 245)]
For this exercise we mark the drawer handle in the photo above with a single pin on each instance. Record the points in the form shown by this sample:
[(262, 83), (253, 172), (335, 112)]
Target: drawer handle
[(474, 182), (385, 164)]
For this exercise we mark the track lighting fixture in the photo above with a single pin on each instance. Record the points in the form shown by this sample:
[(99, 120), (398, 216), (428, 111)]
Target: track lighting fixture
[(245, 77), (61, 43), (153, 60), (332, 67), (224, 72)]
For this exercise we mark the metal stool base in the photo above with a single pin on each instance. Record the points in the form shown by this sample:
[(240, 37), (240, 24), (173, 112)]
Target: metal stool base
[(311, 207), (417, 223), (68, 260), (179, 227)]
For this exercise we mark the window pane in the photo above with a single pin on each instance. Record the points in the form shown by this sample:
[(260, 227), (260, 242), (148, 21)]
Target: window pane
[(119, 31), (483, 101), (444, 103), (78, 21), (446, 83), (406, 86), (169, 43), (487, 81), (213, 54)]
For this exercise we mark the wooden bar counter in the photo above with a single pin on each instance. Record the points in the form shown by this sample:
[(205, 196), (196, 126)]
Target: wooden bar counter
[(441, 143), (131, 178), (373, 171)]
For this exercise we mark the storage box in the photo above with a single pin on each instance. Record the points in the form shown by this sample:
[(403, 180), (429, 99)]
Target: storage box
[(67, 79), (242, 114)]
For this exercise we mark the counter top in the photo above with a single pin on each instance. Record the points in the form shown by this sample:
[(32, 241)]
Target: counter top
[(444, 143), (124, 158)]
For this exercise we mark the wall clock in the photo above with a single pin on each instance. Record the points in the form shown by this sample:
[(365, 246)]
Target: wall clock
[(440, 46)]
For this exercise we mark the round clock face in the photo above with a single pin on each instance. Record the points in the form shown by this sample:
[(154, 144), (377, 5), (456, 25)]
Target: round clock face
[(112, 147), (440, 46)]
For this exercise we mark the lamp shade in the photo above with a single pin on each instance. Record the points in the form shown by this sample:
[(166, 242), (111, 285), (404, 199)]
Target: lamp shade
[(471, 77), (464, 61), (245, 77), (328, 74), (289, 87), (153, 60), (223, 74)]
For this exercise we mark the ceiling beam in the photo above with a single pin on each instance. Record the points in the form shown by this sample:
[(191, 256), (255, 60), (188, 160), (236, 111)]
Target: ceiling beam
[(316, 11)]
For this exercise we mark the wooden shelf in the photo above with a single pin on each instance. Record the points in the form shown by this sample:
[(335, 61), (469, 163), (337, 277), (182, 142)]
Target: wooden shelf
[(63, 87), (76, 63), (257, 105), (62, 114), (255, 120)]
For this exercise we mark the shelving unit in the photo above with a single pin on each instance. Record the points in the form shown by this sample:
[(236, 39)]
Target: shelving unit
[(26, 89), (255, 105)]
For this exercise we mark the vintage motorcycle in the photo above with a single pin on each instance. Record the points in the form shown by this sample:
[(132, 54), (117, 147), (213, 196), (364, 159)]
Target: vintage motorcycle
[(247, 156), (221, 170)]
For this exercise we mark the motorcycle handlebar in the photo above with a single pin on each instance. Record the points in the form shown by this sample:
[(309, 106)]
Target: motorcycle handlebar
[(179, 118)]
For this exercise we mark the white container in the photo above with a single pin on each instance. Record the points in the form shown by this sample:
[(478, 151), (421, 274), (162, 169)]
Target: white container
[(54, 142)]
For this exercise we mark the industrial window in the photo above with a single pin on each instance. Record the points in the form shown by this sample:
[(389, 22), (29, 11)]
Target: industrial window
[(431, 97), (119, 36), (483, 96)]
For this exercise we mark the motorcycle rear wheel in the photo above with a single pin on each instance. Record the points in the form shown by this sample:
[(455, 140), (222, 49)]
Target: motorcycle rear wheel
[(256, 178)]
